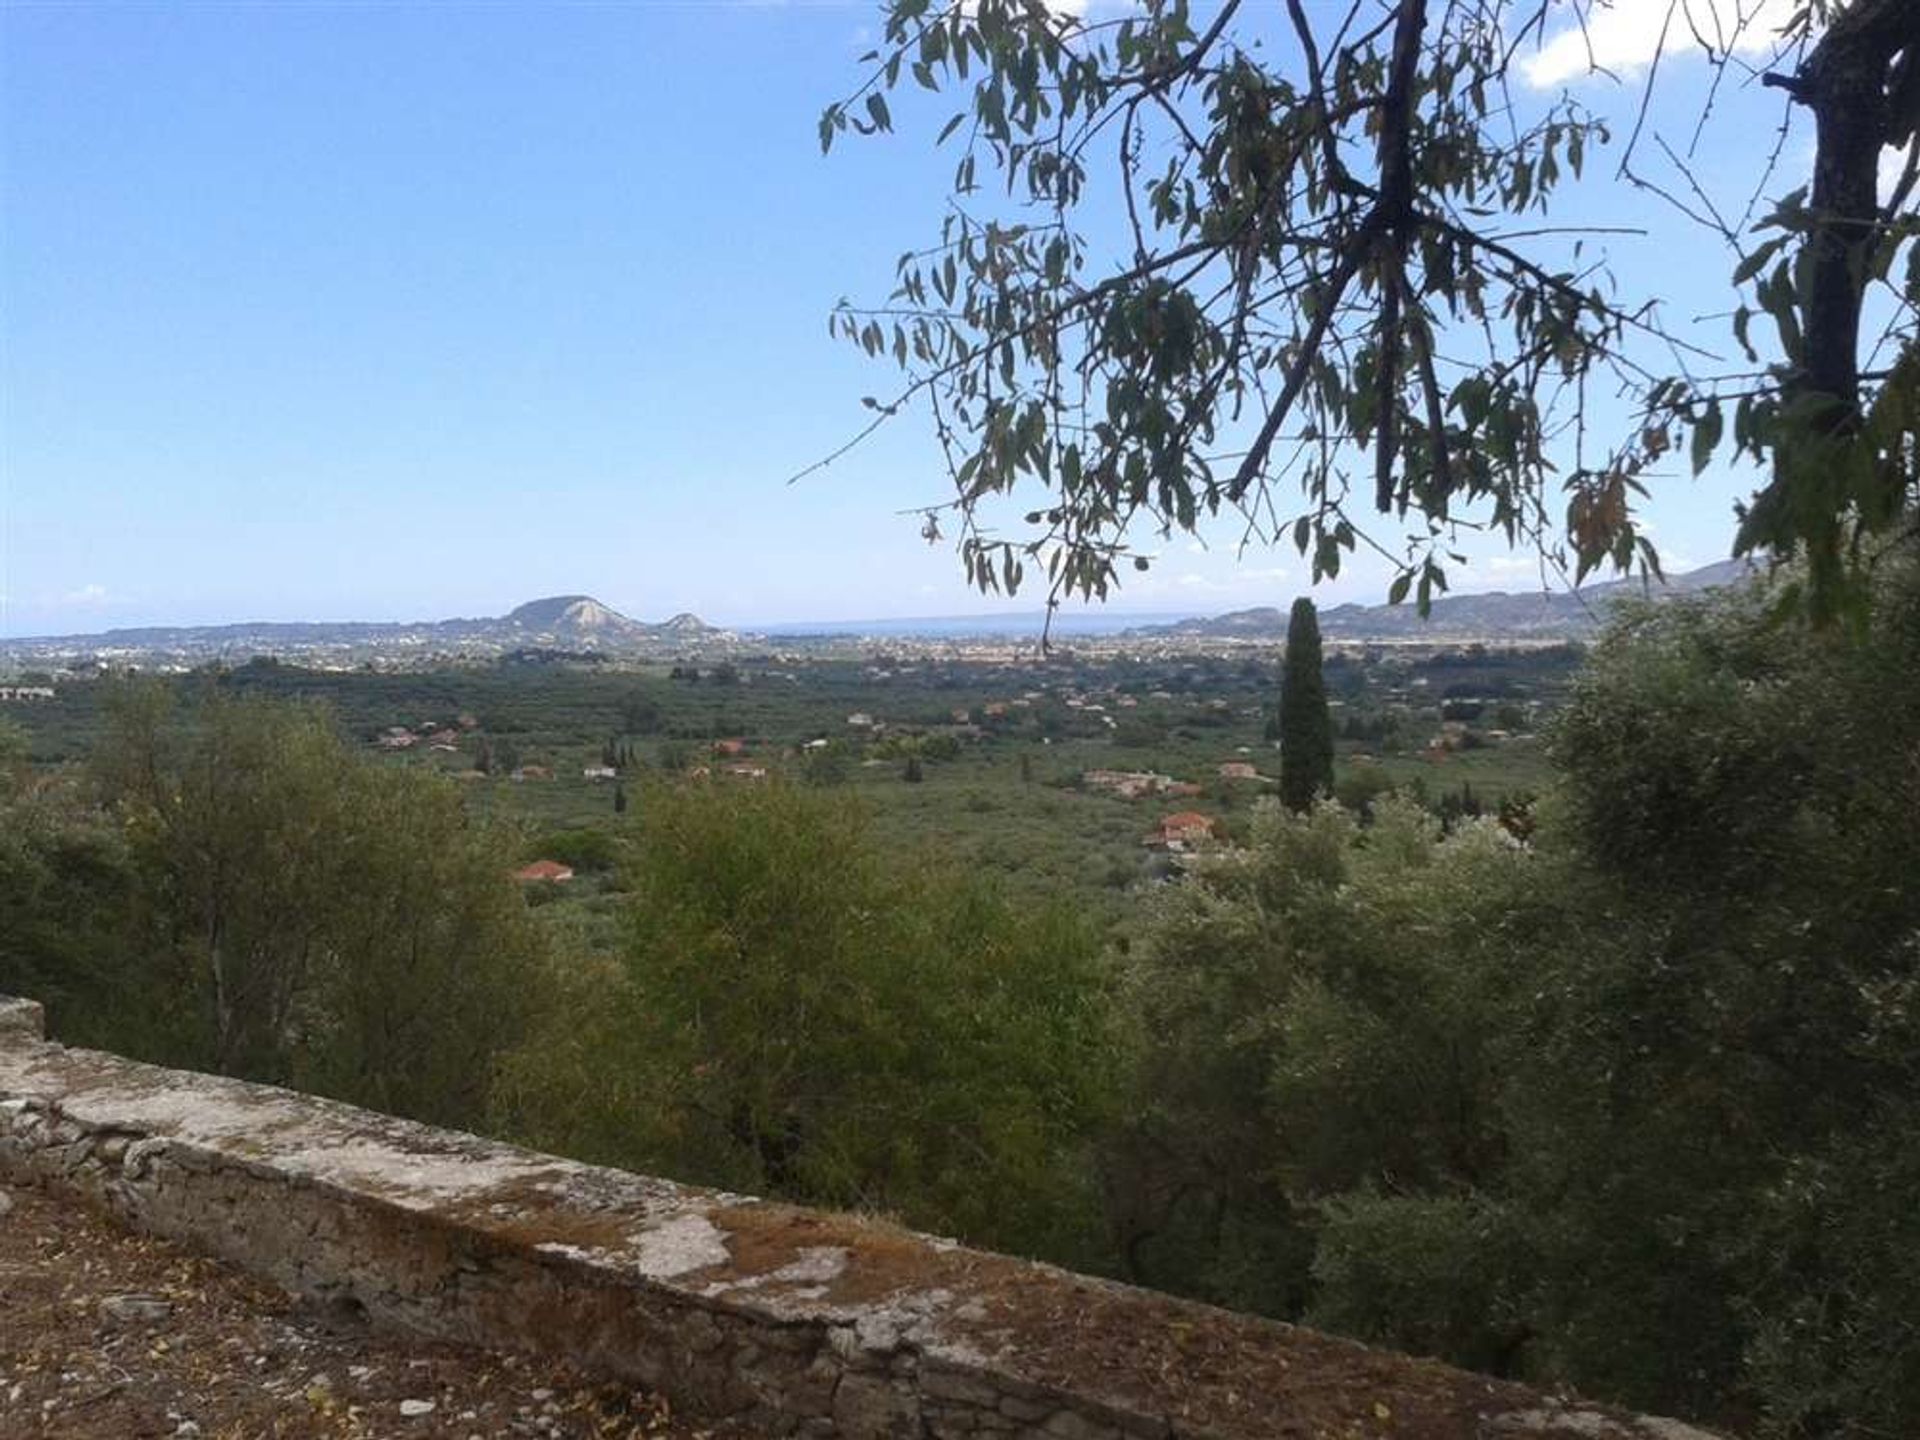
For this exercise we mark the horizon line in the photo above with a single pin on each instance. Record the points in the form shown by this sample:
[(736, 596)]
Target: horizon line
[(1068, 612)]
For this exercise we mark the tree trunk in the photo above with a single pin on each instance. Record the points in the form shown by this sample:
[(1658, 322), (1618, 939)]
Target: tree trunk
[(1857, 81)]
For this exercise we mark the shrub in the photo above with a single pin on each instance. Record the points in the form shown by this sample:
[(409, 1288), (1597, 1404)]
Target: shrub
[(305, 915), (800, 1012)]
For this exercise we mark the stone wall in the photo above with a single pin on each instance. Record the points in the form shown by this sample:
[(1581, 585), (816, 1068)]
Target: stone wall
[(798, 1322)]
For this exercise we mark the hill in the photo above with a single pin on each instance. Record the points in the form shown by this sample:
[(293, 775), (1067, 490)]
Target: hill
[(1536, 615), (578, 620), (557, 622)]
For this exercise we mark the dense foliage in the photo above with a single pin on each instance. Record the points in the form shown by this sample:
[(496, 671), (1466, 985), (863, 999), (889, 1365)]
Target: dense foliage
[(250, 896), (1635, 1107)]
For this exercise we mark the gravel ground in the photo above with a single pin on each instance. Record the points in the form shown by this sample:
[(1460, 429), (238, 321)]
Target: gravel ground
[(106, 1333)]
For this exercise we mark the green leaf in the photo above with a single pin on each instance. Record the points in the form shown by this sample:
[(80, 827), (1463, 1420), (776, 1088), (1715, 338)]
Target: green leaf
[(1742, 318), (1756, 259), (1706, 435)]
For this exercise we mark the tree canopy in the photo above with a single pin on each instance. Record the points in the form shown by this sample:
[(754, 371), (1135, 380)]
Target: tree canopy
[(265, 901), (1344, 267), (796, 1009), (1632, 1107), (1306, 725)]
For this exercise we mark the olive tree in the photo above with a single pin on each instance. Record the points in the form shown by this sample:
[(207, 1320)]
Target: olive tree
[(1341, 264), (303, 914)]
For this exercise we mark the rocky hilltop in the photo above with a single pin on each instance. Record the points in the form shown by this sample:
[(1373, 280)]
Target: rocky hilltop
[(583, 620)]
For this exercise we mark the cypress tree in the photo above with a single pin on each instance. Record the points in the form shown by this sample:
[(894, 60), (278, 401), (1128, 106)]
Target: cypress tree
[(1306, 726)]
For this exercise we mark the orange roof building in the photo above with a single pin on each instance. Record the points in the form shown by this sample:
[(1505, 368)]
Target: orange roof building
[(1182, 829)]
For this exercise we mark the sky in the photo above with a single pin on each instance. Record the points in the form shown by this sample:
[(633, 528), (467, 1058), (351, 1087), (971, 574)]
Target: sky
[(319, 310)]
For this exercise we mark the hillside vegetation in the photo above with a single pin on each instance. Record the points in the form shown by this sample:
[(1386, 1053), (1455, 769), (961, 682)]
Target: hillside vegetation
[(1620, 1089)]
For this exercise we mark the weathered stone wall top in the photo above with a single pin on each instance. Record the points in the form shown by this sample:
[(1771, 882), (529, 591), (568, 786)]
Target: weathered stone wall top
[(798, 1321)]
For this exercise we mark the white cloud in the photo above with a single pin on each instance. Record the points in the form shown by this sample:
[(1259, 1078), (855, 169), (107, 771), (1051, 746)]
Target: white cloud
[(1622, 36), (89, 595)]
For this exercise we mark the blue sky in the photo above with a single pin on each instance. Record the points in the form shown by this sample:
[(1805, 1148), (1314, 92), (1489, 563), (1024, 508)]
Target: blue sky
[(333, 311)]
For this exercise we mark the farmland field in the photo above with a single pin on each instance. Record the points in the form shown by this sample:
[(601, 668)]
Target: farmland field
[(998, 749)]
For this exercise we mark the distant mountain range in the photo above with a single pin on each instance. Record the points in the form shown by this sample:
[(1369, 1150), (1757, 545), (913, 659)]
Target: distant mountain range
[(1534, 615), (560, 622), (580, 623)]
